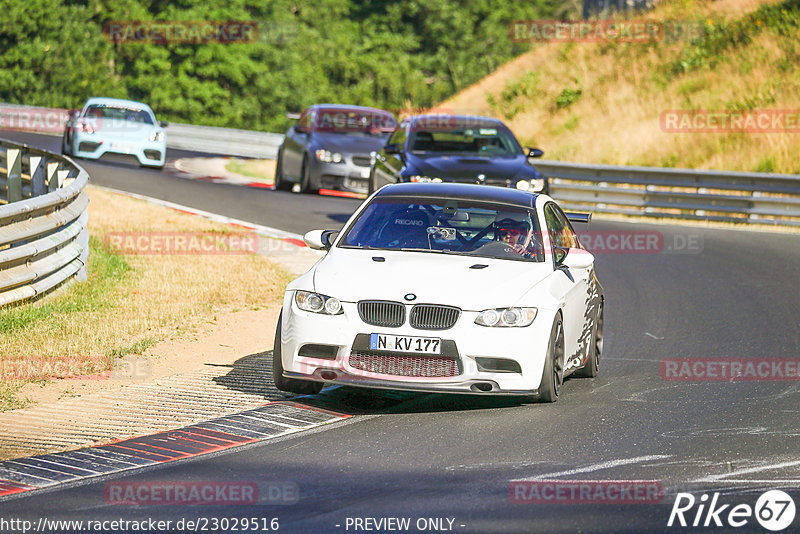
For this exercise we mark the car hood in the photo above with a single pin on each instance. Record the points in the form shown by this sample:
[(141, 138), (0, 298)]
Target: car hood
[(466, 168), (352, 275), (348, 143)]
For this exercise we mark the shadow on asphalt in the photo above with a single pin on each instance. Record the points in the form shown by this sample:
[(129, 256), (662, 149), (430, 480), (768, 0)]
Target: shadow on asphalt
[(252, 374)]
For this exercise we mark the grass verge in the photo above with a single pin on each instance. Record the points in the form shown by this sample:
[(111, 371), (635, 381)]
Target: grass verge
[(262, 169), (128, 302)]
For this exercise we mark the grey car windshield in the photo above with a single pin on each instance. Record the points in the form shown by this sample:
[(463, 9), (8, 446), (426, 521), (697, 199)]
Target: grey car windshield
[(464, 227), (479, 141)]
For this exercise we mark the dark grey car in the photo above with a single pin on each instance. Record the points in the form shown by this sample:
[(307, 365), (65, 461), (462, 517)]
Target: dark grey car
[(329, 148)]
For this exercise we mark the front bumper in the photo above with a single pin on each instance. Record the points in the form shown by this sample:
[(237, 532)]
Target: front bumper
[(94, 146), (527, 346), (345, 176)]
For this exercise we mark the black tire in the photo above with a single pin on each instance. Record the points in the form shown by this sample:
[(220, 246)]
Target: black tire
[(290, 385), (305, 178), (553, 373), (592, 367), (371, 183), (280, 180), (64, 145)]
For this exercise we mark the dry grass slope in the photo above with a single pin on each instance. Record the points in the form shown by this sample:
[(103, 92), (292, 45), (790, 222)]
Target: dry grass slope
[(601, 102)]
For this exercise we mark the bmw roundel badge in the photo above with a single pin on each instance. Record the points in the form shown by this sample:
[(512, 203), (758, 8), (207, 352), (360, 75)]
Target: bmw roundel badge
[(410, 297)]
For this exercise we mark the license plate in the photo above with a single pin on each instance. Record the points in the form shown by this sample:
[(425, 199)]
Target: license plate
[(365, 173), (391, 342), (120, 148)]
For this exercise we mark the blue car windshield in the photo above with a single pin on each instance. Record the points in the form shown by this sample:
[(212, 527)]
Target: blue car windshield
[(464, 227), (475, 141)]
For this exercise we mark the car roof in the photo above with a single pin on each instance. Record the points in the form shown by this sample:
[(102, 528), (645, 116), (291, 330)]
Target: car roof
[(449, 190), (103, 101), (348, 107), (455, 121)]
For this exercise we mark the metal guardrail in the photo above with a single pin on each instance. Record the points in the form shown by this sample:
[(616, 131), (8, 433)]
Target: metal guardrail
[(43, 237), (725, 196)]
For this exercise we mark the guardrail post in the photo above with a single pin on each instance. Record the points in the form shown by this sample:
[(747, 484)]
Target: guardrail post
[(52, 178), (14, 158), (37, 165)]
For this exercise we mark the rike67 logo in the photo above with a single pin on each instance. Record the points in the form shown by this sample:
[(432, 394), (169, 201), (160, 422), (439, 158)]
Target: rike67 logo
[(774, 510)]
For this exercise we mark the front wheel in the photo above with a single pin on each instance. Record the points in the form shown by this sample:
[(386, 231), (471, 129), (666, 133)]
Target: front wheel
[(290, 385), (553, 373), (305, 181), (280, 181)]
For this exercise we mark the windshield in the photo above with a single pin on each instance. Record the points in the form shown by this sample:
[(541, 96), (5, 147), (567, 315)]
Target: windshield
[(462, 227), (479, 141), (354, 121), (114, 113)]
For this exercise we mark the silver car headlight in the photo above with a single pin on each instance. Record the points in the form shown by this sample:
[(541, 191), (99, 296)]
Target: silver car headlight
[(316, 303), (506, 317), (157, 136), (326, 156)]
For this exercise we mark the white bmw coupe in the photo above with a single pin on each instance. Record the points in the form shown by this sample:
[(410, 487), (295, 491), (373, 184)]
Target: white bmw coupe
[(444, 288)]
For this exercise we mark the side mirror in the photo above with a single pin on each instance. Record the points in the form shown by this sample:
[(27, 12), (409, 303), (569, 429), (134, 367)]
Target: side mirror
[(163, 124), (320, 239), (573, 258), (534, 152), (391, 148)]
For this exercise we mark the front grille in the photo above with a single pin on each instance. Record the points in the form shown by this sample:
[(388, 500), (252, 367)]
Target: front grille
[(404, 364), (152, 154), (361, 161), (434, 317), (382, 313)]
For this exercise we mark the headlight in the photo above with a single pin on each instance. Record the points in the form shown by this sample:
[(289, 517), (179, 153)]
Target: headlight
[(506, 317), (157, 136), (530, 185), (424, 179), (316, 303), (326, 156)]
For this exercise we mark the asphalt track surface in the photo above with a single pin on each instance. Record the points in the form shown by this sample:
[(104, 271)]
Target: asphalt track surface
[(441, 456)]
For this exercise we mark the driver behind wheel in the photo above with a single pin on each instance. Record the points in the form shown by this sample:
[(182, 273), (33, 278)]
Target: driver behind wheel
[(517, 236)]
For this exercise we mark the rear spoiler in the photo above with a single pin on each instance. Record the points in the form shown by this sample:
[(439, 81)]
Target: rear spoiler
[(576, 217)]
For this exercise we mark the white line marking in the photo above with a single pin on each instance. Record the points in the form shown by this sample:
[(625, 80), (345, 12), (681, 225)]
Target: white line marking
[(716, 478), (599, 466), (654, 337)]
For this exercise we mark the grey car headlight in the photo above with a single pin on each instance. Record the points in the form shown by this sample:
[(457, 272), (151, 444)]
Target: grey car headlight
[(506, 317), (157, 136), (326, 156), (316, 303)]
